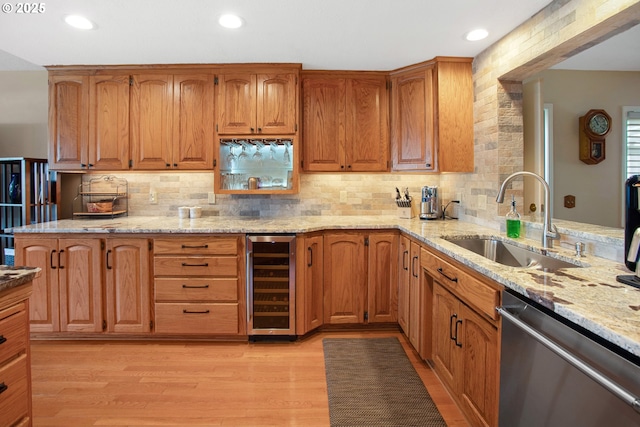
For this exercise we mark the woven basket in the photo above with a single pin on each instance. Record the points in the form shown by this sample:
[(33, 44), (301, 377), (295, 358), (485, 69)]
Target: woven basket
[(99, 207)]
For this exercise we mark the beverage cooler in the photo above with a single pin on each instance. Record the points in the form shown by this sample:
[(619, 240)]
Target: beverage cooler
[(271, 285)]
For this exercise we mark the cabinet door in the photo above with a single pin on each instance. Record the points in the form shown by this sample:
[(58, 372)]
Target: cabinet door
[(445, 355), (479, 350), (412, 121), (367, 144), (382, 283), (236, 104), (44, 300), (404, 275), (79, 273), (309, 284), (127, 286), (455, 116), (323, 132), (416, 296), (68, 122), (193, 122), (151, 121), (345, 278), (109, 122), (276, 103)]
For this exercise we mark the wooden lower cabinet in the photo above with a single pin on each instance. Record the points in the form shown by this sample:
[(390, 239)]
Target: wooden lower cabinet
[(360, 277), (466, 340), (68, 294), (67, 297), (309, 283), (127, 285), (199, 286), (15, 364)]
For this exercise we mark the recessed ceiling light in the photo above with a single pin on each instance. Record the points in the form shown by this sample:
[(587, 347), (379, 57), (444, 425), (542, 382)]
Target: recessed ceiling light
[(80, 22), (230, 21), (476, 35)]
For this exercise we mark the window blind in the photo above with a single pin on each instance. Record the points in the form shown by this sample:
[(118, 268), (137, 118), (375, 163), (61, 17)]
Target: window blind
[(633, 143)]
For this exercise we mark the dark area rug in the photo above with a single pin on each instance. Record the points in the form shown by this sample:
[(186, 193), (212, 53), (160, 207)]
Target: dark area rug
[(371, 382)]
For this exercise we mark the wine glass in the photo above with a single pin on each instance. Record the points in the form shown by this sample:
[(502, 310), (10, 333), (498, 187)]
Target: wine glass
[(243, 154), (287, 156), (231, 157), (257, 156), (273, 146)]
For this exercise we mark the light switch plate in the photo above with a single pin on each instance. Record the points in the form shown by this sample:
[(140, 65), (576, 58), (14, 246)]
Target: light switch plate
[(211, 198), (153, 198)]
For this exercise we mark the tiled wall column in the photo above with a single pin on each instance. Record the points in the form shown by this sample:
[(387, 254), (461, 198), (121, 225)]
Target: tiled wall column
[(560, 30)]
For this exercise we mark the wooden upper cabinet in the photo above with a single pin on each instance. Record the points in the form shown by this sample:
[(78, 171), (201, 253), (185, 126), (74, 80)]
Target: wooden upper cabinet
[(109, 122), (68, 122), (367, 127), (276, 103), (172, 121), (432, 116), (345, 122), (412, 139), (323, 114), (455, 115), (250, 104), (193, 121), (151, 121), (236, 104)]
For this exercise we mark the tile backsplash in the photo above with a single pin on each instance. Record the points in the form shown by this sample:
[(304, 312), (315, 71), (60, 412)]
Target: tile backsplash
[(320, 194)]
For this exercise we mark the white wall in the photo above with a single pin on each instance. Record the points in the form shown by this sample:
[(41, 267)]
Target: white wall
[(23, 114), (597, 188)]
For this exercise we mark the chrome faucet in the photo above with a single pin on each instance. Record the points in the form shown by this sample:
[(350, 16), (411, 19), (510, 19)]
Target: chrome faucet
[(549, 230)]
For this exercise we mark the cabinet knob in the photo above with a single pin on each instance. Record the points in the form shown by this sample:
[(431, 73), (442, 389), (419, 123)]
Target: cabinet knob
[(259, 129), (175, 165), (167, 165), (252, 130), (428, 165), (83, 165), (90, 165)]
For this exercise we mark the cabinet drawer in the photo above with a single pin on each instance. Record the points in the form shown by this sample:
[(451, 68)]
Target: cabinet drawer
[(197, 246), (195, 266), (14, 399), (213, 318), (191, 289), (13, 333), (466, 287)]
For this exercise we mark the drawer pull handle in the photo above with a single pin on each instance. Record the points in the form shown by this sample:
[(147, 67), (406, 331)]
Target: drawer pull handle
[(185, 311), (195, 286), (195, 247), (204, 264), (2, 339), (3, 387), (452, 279), (458, 322)]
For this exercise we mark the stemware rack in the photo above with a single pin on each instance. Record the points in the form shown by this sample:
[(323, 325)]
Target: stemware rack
[(100, 197), (259, 164)]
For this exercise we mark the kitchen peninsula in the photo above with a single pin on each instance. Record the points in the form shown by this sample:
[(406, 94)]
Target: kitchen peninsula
[(589, 296)]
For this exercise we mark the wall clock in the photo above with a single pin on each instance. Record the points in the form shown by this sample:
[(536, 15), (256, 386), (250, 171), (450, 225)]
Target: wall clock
[(593, 127)]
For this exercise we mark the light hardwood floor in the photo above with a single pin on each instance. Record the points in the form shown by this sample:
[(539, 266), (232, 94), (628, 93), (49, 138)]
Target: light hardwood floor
[(120, 383)]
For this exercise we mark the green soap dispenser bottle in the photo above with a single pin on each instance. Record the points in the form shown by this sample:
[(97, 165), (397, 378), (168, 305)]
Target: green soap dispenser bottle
[(513, 220)]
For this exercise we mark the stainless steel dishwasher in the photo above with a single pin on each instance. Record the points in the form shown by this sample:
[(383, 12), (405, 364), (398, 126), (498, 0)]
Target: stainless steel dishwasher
[(552, 374)]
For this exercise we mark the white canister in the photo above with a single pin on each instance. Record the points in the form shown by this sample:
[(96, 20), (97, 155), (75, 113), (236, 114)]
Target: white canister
[(195, 212), (183, 212)]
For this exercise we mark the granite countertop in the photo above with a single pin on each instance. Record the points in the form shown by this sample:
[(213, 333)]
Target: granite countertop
[(11, 277), (589, 296)]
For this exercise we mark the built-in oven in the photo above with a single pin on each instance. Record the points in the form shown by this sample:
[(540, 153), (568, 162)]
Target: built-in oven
[(271, 285)]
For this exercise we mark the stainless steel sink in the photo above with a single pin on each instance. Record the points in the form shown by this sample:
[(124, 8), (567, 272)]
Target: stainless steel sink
[(509, 254)]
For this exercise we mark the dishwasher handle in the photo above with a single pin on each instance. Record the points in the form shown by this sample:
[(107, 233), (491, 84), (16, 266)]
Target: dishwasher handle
[(574, 361)]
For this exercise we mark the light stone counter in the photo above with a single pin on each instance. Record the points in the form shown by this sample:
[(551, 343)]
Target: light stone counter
[(589, 296), (11, 277)]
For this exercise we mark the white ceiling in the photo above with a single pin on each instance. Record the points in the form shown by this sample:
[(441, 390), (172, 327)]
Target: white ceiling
[(320, 34)]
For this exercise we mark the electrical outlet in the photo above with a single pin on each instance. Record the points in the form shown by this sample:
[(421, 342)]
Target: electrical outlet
[(153, 198), (211, 198)]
